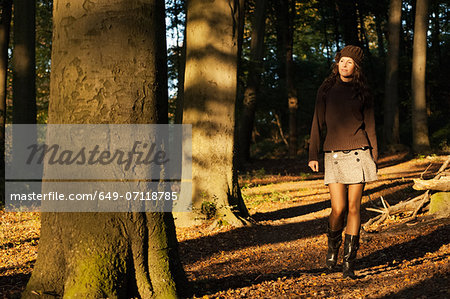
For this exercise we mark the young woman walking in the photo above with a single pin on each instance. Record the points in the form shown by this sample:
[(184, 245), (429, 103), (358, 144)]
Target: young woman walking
[(344, 109)]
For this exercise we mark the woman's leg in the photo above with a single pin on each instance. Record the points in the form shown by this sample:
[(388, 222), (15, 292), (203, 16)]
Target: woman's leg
[(351, 243), (355, 192), (338, 193)]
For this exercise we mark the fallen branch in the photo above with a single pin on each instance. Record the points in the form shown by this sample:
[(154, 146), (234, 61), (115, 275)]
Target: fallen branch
[(444, 166), (426, 198), (411, 206), (440, 182)]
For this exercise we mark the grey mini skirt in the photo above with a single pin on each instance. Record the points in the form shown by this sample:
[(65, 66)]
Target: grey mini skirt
[(350, 167)]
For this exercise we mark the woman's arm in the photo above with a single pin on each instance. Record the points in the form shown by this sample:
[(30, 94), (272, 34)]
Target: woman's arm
[(369, 121), (316, 126)]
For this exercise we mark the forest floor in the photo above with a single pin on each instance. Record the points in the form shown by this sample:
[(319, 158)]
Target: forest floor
[(282, 254)]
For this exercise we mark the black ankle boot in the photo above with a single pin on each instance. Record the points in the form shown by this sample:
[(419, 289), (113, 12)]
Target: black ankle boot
[(351, 245), (334, 242)]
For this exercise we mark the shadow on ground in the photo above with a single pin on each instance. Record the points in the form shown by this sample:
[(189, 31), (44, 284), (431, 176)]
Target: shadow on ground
[(413, 249), (292, 212), (410, 250), (248, 236), (440, 289)]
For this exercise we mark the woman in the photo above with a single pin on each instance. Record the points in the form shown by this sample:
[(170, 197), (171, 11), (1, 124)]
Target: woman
[(344, 107)]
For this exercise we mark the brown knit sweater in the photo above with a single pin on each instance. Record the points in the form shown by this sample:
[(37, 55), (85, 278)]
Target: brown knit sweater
[(349, 124)]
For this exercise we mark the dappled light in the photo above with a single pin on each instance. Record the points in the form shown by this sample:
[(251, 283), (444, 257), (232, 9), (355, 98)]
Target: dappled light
[(226, 149)]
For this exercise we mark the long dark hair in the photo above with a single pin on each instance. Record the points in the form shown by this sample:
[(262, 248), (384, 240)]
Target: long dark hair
[(360, 87)]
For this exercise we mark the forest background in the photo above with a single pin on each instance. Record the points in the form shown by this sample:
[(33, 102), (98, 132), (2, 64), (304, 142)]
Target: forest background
[(311, 32)]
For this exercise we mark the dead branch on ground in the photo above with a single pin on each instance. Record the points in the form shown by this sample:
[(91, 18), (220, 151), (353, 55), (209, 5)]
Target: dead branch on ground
[(411, 207)]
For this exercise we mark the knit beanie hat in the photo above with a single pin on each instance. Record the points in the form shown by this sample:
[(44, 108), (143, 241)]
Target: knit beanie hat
[(354, 52)]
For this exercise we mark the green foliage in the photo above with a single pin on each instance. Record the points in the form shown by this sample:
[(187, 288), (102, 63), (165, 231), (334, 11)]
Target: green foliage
[(255, 200), (208, 209)]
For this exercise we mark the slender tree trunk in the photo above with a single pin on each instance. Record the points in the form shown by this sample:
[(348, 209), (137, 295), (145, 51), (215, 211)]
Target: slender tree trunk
[(436, 35), (291, 90), (5, 25), (419, 106), (380, 39), (237, 201), (337, 36), (181, 70), (391, 114), (362, 26), (24, 65), (325, 31), (410, 12), (210, 98), (285, 43), (349, 21), (251, 93), (98, 78)]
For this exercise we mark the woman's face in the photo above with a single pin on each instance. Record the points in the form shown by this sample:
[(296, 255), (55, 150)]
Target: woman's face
[(346, 67)]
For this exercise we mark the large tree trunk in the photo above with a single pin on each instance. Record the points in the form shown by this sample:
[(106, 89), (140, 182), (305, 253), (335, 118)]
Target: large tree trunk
[(251, 93), (210, 97), (391, 118), (421, 141), (24, 65), (5, 25), (108, 66)]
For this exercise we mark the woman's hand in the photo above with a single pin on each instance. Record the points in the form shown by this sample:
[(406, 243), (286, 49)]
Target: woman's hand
[(314, 165)]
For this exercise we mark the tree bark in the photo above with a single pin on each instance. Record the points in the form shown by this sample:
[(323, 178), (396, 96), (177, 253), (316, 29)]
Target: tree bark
[(24, 65), (108, 66), (210, 98), (421, 141), (251, 93), (5, 25), (391, 113)]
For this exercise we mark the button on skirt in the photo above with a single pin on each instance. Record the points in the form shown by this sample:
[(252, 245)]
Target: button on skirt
[(350, 167)]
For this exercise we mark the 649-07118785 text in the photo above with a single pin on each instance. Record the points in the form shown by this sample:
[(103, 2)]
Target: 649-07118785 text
[(139, 195), (102, 195)]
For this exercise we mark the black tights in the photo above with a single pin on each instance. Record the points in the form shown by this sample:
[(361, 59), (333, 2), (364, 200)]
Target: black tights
[(345, 198)]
